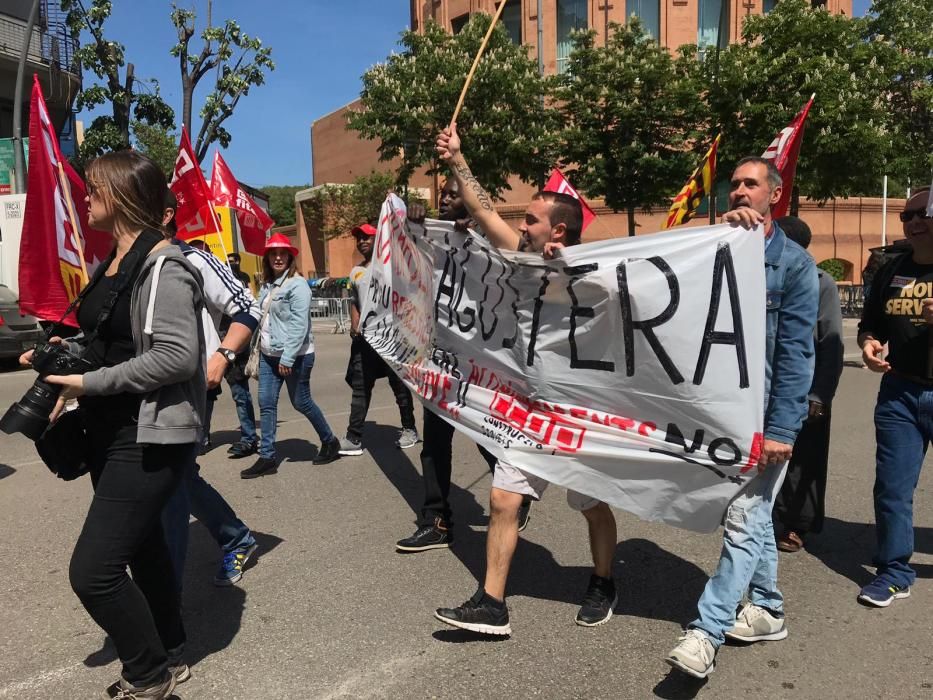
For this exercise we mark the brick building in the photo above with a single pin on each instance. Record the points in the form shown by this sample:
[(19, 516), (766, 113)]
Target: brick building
[(843, 229)]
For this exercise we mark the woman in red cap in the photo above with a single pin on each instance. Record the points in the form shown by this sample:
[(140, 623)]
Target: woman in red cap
[(286, 354)]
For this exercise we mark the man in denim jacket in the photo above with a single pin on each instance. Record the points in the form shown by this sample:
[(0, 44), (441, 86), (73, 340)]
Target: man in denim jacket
[(747, 570)]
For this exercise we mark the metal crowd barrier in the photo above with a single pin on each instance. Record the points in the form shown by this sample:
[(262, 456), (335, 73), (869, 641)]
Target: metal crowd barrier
[(852, 299), (332, 310)]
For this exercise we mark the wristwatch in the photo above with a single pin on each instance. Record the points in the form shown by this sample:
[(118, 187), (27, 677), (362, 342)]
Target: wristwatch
[(228, 354)]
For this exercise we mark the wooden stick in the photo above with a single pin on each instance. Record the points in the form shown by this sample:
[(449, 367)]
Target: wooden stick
[(479, 55), (75, 224)]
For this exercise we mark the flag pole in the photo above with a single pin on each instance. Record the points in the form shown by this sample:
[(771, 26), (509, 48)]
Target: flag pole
[(479, 55), (75, 224)]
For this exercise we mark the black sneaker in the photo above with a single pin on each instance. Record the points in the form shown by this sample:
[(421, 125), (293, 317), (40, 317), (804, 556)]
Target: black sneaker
[(329, 452), (434, 536), (524, 514), (159, 691), (598, 602), (243, 448), (481, 613), (263, 466)]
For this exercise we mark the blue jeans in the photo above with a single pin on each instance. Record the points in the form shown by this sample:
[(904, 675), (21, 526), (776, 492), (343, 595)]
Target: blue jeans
[(903, 430), (299, 391), (194, 496), (244, 409), (748, 562)]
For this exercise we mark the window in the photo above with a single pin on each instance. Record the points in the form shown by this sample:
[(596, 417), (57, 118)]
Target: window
[(512, 20), (571, 15), (768, 5), (713, 24), (458, 23), (649, 12)]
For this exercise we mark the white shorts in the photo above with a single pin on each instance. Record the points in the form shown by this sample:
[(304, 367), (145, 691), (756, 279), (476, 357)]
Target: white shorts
[(514, 480)]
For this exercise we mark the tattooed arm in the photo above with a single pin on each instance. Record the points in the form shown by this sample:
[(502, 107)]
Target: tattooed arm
[(475, 198)]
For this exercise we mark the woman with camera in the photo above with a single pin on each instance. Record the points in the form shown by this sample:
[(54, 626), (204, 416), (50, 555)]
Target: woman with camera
[(142, 409), (286, 354)]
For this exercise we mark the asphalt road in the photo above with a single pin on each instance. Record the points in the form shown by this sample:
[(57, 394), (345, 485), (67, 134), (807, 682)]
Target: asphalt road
[(329, 610)]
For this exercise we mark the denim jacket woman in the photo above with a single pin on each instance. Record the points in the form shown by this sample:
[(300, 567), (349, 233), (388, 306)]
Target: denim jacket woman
[(286, 330)]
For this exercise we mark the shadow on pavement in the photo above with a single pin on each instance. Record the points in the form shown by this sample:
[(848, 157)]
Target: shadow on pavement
[(847, 548), (6, 470), (457, 636), (297, 449), (679, 686)]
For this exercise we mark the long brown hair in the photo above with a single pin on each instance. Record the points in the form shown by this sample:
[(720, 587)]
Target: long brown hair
[(132, 185), (268, 274)]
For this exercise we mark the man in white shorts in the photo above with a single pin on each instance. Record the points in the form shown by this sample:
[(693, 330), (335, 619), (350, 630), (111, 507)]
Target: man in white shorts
[(552, 220)]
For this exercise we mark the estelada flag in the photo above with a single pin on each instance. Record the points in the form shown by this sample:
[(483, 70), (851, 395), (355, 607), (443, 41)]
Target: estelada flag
[(558, 183), (691, 196), (784, 151), (195, 215), (252, 221), (55, 229)]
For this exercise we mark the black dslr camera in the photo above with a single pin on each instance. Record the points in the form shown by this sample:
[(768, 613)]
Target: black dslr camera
[(30, 415)]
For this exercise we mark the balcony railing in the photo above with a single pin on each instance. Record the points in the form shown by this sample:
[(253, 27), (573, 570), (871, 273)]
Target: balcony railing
[(52, 43)]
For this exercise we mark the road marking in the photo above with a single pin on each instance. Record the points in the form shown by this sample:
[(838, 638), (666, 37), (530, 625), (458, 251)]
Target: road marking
[(30, 685)]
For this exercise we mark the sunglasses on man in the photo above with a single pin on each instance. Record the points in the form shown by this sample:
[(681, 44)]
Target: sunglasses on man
[(910, 214)]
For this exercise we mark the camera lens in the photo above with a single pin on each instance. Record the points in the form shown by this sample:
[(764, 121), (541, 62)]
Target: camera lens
[(30, 415)]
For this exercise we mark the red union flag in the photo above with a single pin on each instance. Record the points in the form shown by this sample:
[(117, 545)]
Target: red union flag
[(54, 230), (784, 151), (195, 215), (558, 183), (252, 221)]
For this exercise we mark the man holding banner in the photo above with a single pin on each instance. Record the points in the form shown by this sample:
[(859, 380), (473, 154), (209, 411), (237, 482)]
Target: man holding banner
[(551, 220), (747, 568)]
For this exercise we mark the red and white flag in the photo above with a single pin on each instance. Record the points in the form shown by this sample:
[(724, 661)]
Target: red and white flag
[(195, 215), (252, 221), (784, 151), (55, 229), (558, 183)]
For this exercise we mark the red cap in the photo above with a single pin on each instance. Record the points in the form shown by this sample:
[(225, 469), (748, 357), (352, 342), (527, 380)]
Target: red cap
[(365, 229), (279, 240)]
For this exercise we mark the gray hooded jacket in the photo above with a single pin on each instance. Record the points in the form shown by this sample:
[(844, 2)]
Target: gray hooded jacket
[(169, 368)]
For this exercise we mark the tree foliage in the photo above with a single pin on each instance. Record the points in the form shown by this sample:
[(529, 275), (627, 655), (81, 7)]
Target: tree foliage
[(158, 143), (505, 125), (115, 83), (282, 202), (238, 61), (760, 83), (633, 118), (335, 209)]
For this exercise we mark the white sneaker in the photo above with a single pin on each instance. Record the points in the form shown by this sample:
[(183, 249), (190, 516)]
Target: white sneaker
[(348, 448), (756, 624), (694, 654), (407, 438)]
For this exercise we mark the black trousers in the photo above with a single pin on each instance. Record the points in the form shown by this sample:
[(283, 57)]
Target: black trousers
[(801, 502), (132, 484), (436, 465), (364, 369)]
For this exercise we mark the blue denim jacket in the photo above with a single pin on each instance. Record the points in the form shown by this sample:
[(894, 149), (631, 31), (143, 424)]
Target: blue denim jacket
[(289, 317), (793, 294)]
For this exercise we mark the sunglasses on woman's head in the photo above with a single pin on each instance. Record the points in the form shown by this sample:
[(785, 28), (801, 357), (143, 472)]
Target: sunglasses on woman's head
[(910, 214)]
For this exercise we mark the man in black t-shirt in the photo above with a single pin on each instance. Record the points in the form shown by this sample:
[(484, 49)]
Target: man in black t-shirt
[(899, 312)]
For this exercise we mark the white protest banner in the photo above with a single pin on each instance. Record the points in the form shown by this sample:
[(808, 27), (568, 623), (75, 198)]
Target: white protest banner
[(630, 370)]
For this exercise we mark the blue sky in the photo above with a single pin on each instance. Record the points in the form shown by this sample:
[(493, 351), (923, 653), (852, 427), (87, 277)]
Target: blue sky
[(320, 47)]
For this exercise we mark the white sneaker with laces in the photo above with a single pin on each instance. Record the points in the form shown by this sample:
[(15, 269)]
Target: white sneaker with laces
[(348, 448), (754, 623), (407, 438), (694, 654)]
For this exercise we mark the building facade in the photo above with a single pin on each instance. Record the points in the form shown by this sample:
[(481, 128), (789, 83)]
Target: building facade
[(845, 230)]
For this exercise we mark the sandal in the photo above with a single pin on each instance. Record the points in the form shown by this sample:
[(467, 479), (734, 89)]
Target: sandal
[(790, 542)]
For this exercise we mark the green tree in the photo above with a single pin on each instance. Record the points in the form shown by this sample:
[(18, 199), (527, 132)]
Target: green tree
[(505, 125), (282, 202), (902, 30), (239, 62), (157, 142), (335, 209), (759, 84), (106, 60), (633, 118)]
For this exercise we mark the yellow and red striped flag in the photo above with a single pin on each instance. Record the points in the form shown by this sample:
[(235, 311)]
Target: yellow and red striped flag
[(699, 185)]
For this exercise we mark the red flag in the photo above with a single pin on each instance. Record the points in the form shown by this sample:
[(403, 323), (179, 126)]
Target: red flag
[(784, 151), (54, 229), (195, 215), (558, 183), (253, 222)]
